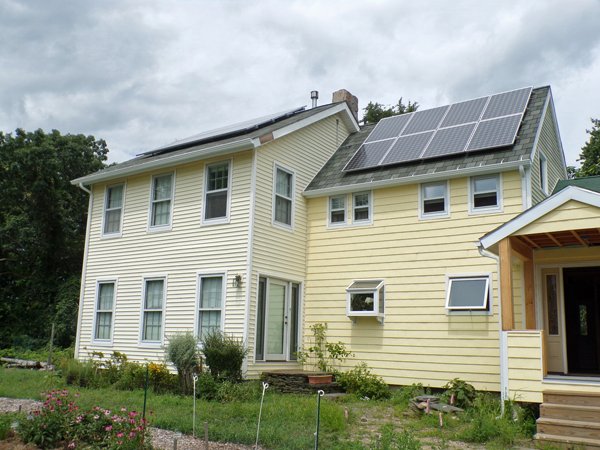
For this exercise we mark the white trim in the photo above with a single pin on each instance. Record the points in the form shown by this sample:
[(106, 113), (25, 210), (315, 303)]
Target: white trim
[(543, 173), (99, 281), (486, 309), (558, 139), (141, 342), (119, 233), (343, 223), (166, 227), (544, 207), (227, 218), (369, 220), (287, 170), (504, 380), (83, 274), (446, 175), (498, 208), (435, 215), (210, 274)]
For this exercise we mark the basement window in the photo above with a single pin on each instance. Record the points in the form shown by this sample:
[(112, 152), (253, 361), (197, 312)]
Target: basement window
[(366, 298), (468, 293)]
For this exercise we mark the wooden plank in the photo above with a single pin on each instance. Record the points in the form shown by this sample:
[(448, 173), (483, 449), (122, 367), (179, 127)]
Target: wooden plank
[(576, 235), (553, 239), (529, 296), (508, 322), (522, 250)]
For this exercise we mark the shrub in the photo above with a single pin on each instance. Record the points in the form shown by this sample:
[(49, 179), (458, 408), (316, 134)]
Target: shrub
[(182, 351), (362, 382), (464, 393), (78, 373), (405, 394), (224, 355)]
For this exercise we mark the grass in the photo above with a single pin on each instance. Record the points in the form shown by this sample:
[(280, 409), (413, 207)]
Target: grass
[(288, 421)]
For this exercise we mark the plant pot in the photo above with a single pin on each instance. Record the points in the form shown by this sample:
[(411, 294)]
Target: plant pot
[(320, 379)]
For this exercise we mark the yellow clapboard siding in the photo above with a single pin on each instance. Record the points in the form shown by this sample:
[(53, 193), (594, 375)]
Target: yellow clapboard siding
[(576, 214)]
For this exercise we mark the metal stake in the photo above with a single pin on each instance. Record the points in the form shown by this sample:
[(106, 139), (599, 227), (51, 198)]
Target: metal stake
[(265, 387), (320, 393), (195, 378)]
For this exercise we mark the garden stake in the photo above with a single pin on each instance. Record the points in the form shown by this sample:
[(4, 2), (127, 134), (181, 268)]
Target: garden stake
[(265, 387), (441, 420), (320, 393), (195, 378)]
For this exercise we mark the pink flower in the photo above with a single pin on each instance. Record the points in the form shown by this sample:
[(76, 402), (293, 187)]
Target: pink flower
[(132, 435), (120, 434), (71, 444), (108, 428)]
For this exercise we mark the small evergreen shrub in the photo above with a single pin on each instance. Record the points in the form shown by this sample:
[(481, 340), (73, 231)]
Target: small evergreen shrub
[(224, 355), (363, 383), (182, 351)]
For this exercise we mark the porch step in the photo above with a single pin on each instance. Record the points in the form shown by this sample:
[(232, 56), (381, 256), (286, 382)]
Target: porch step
[(570, 412), (573, 429), (572, 398), (568, 443)]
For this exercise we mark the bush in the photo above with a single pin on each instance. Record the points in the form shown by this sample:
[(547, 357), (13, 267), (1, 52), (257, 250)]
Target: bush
[(224, 355), (182, 351), (464, 393), (362, 382), (405, 394), (78, 373)]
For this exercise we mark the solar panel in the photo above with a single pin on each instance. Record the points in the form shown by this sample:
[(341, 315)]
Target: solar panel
[(390, 127), (408, 148), (426, 120), (369, 155), (507, 103), (448, 141), (495, 133), (464, 112)]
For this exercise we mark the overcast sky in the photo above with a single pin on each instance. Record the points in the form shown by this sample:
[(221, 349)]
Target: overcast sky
[(140, 74)]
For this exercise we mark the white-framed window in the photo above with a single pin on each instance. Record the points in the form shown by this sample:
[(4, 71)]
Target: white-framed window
[(485, 193), (113, 210), (361, 207), (283, 197), (217, 192), (366, 298), (337, 210), (161, 201), (153, 310), (468, 293), (105, 306), (434, 199), (543, 173), (211, 299)]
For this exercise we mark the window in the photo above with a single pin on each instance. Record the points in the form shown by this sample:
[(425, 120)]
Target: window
[(113, 209), (284, 192), (104, 311), (337, 209), (216, 197), (210, 304), (434, 199), (552, 303), (543, 173), (485, 193), (366, 298), (468, 293), (361, 205), (162, 198), (154, 295)]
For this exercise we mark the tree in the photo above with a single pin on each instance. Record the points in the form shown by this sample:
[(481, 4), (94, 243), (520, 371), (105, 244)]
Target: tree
[(42, 231), (590, 152), (374, 112)]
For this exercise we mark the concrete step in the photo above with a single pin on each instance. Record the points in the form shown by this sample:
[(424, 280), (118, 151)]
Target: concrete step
[(568, 443), (569, 428), (570, 412), (572, 398)]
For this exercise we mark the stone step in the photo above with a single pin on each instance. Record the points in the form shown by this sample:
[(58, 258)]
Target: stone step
[(569, 428), (572, 398), (567, 443), (570, 412)]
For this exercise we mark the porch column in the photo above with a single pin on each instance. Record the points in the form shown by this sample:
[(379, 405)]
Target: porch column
[(529, 295), (506, 301)]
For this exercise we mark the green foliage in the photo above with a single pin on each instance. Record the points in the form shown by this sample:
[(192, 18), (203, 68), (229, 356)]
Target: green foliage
[(405, 394), (160, 380), (393, 440), (363, 383), (374, 112), (6, 421), (464, 393), (224, 355), (182, 351), (80, 373), (323, 354), (590, 152), (238, 392)]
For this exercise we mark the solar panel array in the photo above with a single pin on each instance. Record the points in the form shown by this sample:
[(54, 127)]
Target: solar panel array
[(472, 125)]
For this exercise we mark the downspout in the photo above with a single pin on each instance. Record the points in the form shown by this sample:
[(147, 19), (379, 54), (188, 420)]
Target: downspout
[(84, 267), (502, 335)]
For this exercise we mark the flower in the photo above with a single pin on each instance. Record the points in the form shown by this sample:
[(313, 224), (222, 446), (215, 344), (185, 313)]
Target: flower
[(71, 444), (120, 434), (108, 428), (96, 417)]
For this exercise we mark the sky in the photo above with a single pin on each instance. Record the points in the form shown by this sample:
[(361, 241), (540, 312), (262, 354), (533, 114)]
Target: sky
[(141, 74)]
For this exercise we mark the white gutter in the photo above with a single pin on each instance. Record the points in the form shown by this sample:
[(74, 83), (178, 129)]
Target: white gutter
[(455, 173)]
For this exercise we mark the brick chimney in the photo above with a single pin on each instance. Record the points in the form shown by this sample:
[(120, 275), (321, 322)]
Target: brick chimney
[(344, 96)]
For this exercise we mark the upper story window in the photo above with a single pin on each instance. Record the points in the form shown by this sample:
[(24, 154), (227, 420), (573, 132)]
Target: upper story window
[(217, 192), (486, 194), (361, 206), (468, 293), (283, 196), (210, 308), (105, 301), (152, 318), (113, 210), (162, 200), (337, 210), (434, 199), (543, 173)]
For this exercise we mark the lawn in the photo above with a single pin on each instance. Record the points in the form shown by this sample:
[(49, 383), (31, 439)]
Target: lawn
[(288, 421)]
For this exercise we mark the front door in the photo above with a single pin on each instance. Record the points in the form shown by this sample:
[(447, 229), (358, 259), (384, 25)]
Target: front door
[(276, 323), (582, 319)]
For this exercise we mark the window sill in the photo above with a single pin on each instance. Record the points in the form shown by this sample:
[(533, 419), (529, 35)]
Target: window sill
[(480, 211), (220, 221), (148, 344), (111, 236), (283, 226), (159, 229), (434, 216), (468, 312), (102, 343)]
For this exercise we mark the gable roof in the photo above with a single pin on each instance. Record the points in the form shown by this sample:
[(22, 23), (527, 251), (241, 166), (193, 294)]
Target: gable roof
[(541, 209), (589, 183), (242, 136), (331, 179)]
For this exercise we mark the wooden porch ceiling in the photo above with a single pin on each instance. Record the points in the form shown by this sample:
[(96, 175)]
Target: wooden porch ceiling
[(588, 238)]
